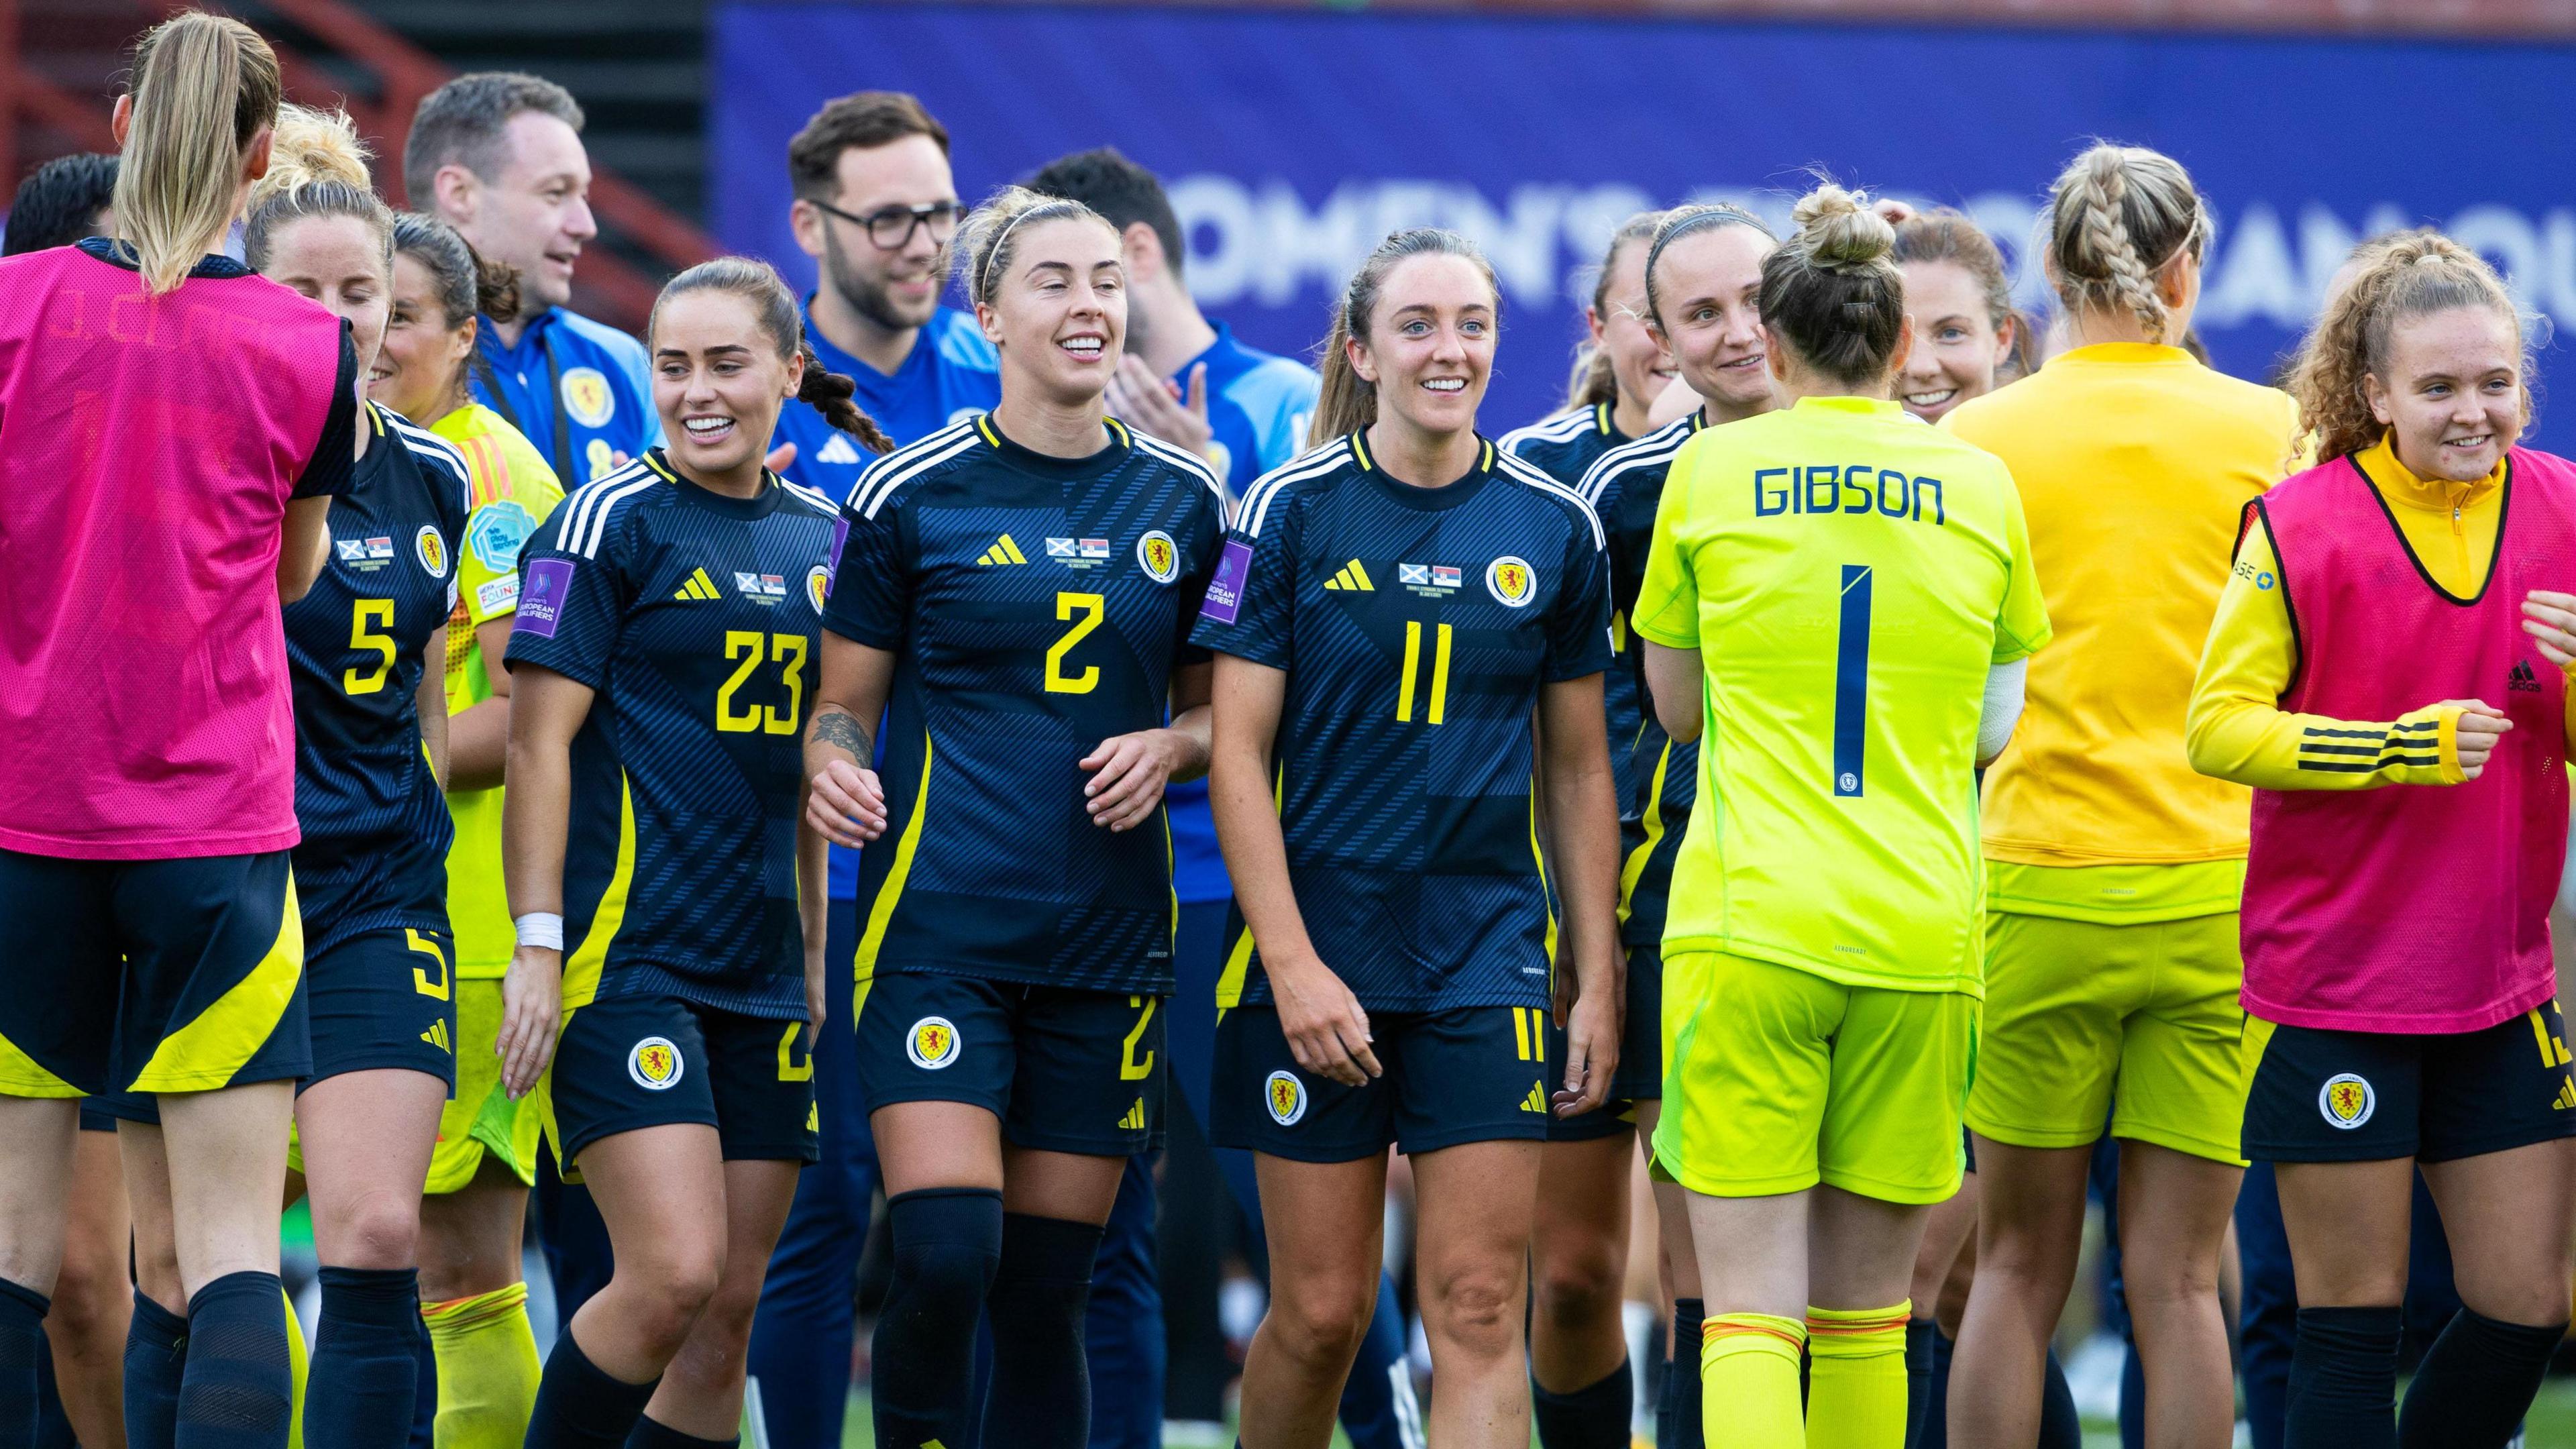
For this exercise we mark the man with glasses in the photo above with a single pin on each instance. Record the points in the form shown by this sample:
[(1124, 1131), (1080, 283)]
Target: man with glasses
[(876, 207)]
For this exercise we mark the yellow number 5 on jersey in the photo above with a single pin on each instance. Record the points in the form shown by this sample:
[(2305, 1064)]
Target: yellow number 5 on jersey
[(749, 646), (1086, 610), (368, 621)]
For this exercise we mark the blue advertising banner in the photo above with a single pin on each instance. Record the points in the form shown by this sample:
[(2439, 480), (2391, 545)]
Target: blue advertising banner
[(1291, 141)]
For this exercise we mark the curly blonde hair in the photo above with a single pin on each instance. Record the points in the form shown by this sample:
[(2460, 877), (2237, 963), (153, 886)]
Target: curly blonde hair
[(2394, 278), (317, 167), (2116, 216)]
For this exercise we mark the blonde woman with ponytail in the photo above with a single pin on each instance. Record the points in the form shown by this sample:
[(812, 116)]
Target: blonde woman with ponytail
[(2388, 671), (366, 652), (146, 907), (1846, 641), (2113, 871)]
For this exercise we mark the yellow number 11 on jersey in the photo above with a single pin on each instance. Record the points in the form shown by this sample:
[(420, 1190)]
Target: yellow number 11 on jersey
[(1439, 693)]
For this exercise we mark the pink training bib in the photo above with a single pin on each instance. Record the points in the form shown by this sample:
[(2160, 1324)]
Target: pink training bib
[(2412, 909), (148, 447)]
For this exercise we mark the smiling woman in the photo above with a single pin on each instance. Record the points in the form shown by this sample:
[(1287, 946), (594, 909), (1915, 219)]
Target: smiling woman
[(663, 653), (2393, 629), (1411, 627), (1012, 603)]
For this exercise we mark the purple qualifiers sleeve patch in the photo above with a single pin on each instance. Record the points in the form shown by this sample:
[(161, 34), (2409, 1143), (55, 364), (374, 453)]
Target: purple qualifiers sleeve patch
[(541, 601), (1225, 591)]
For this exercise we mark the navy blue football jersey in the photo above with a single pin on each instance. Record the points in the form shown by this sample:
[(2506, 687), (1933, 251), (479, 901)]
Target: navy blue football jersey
[(1657, 776), (1416, 627), (1037, 606), (694, 616), (1565, 447), (376, 828)]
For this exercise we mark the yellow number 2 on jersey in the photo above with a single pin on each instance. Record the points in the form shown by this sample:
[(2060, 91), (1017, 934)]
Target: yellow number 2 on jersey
[(1086, 610)]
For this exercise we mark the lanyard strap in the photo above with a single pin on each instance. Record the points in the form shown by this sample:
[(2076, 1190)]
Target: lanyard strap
[(554, 396)]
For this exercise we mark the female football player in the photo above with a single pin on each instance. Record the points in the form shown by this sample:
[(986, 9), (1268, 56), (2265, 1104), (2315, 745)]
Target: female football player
[(2387, 670), (1699, 290), (1013, 602), (476, 1202), (148, 858), (1848, 637), (1411, 627), (2114, 871), (668, 905)]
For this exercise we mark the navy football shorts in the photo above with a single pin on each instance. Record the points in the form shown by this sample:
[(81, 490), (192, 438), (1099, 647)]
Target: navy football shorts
[(384, 999), (149, 976), (624, 1063), (1469, 1074), (2353, 1096), (1065, 1070), (1639, 1077)]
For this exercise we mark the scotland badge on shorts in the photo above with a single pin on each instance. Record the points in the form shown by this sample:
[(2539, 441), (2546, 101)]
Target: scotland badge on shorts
[(2346, 1101), (1286, 1098), (655, 1064), (932, 1043)]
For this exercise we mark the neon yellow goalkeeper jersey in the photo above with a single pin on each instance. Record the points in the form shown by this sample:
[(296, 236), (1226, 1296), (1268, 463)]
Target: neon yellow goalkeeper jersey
[(1849, 576)]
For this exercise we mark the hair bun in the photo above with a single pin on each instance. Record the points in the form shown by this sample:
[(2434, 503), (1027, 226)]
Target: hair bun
[(496, 286), (1840, 229), (313, 146)]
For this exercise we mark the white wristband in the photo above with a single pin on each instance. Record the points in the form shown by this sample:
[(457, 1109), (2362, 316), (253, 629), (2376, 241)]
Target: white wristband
[(540, 928)]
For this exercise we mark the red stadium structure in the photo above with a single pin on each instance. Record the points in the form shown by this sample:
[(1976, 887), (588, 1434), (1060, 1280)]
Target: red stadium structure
[(60, 60)]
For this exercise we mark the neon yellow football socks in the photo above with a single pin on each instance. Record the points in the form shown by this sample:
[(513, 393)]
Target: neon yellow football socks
[(297, 1361), (487, 1368), (1748, 1370), (1856, 1377)]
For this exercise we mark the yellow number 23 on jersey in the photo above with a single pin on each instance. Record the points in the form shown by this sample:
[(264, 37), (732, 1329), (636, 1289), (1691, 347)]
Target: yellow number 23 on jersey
[(750, 647)]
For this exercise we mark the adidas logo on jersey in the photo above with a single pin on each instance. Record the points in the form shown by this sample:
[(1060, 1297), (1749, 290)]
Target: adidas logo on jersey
[(699, 587), (1351, 577), (1134, 1121), (837, 450), (1003, 551), (437, 1036), (1536, 1101), (2523, 678)]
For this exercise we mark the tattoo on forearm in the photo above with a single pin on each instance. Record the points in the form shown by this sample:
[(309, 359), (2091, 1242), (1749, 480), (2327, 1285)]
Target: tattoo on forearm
[(838, 727)]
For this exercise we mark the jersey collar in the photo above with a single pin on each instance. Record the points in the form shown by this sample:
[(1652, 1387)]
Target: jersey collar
[(121, 254), (1411, 496), (760, 507), (1045, 465)]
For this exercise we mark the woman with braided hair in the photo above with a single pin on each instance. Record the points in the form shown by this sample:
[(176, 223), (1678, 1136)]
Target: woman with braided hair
[(2387, 671), (2112, 869), (663, 658)]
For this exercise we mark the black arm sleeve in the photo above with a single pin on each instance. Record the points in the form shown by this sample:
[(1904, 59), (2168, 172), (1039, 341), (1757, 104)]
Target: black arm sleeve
[(327, 472)]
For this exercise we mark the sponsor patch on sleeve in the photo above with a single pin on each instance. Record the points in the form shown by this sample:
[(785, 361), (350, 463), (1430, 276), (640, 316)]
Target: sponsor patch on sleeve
[(1225, 591), (496, 596)]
